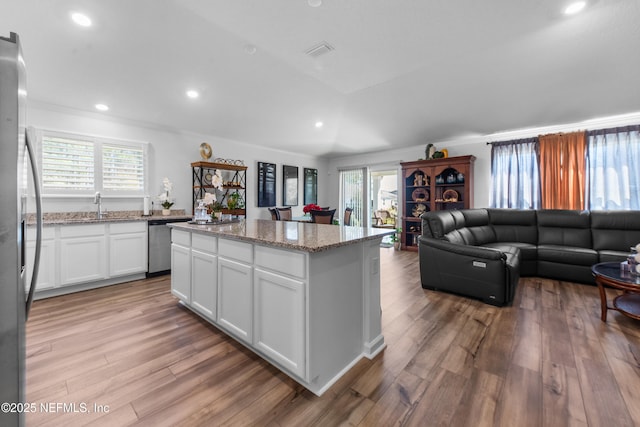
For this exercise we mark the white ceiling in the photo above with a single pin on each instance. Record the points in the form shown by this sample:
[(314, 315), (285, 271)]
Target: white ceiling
[(403, 72)]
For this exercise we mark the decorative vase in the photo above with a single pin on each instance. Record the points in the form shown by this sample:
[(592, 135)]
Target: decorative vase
[(166, 212), (633, 261)]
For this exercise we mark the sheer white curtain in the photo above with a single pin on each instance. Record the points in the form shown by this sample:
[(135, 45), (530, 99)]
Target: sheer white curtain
[(353, 188), (515, 177), (613, 162)]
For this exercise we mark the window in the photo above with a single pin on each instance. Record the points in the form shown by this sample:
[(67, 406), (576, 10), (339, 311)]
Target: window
[(82, 165), (608, 181), (515, 181), (122, 168), (613, 163)]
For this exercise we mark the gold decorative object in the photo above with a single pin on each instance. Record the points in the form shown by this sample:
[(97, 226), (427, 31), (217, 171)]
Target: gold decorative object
[(418, 210), (420, 195), (205, 151), (450, 195)]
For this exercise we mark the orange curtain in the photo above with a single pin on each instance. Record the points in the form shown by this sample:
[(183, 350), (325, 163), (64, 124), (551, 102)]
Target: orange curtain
[(562, 170)]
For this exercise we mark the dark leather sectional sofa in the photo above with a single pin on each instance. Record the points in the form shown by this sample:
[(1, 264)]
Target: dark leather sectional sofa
[(482, 253)]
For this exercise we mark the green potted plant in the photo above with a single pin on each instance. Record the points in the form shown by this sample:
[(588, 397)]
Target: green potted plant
[(234, 201), (395, 239), (216, 211)]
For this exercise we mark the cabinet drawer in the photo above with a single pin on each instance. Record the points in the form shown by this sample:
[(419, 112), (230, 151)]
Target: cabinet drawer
[(128, 227), (234, 249), (82, 230), (204, 243), (48, 232), (282, 261), (181, 237)]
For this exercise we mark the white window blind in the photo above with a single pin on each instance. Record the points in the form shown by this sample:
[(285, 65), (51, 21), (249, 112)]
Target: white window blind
[(67, 164), (122, 168), (82, 165), (352, 194)]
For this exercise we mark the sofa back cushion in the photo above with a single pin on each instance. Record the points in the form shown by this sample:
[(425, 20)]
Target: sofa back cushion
[(444, 225), (615, 230), (477, 229), (514, 225), (439, 223), (564, 227)]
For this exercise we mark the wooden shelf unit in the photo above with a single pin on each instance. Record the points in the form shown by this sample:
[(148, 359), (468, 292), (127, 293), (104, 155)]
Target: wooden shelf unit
[(429, 185), (230, 173)]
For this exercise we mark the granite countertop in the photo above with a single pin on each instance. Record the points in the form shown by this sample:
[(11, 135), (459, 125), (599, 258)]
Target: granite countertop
[(307, 237), (70, 218)]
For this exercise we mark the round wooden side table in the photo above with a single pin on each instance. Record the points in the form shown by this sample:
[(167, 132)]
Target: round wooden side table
[(628, 303)]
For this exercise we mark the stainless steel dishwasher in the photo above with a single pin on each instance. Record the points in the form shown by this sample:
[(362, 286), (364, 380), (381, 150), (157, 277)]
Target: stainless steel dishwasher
[(159, 254)]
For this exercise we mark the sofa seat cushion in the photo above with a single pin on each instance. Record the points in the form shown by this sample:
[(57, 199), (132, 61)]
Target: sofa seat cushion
[(567, 255), (527, 250), (612, 256)]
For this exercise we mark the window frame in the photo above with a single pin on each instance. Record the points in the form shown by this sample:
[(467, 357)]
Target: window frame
[(98, 143)]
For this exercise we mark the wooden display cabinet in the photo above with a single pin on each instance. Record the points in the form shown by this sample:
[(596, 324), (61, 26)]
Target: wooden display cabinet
[(433, 185)]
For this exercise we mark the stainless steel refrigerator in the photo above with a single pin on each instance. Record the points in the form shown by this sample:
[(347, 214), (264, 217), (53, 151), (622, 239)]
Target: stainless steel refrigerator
[(16, 159)]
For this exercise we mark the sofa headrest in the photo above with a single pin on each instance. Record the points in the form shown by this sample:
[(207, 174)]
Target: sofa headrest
[(475, 217), (615, 230), (564, 218), (440, 223), (524, 217)]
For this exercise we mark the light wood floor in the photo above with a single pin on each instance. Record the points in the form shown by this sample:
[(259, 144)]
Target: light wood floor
[(547, 360)]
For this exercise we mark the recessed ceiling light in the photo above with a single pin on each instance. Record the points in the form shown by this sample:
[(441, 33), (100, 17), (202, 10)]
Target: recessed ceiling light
[(193, 94), (319, 124), (575, 7), (102, 107), (315, 3), (81, 19)]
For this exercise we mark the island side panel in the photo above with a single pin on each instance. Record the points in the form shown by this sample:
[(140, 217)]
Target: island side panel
[(372, 311), (335, 314)]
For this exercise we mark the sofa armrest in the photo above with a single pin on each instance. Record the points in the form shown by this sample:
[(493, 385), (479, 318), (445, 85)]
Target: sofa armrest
[(479, 272), (466, 250)]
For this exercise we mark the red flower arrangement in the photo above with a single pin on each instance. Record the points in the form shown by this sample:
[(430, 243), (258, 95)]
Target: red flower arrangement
[(311, 207)]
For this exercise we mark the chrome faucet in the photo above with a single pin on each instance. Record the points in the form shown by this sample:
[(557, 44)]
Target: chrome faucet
[(97, 200)]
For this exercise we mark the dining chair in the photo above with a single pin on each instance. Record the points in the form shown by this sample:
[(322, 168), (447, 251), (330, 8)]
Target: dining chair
[(274, 214), (347, 216), (323, 217), (284, 214)]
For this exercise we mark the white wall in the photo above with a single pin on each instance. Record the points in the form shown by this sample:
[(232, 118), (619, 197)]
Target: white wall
[(170, 155), (475, 146)]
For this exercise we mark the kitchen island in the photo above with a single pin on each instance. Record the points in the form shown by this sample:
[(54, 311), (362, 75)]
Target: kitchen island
[(305, 297)]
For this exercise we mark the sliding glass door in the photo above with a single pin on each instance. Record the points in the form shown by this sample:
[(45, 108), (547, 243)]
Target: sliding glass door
[(372, 194), (384, 197)]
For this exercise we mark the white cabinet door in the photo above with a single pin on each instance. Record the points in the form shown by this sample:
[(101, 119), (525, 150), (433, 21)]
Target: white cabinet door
[(47, 270), (204, 283), (128, 254), (83, 259), (235, 298), (181, 272), (279, 324)]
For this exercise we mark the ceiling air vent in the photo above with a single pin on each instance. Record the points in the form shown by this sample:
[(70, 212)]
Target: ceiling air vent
[(319, 49)]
